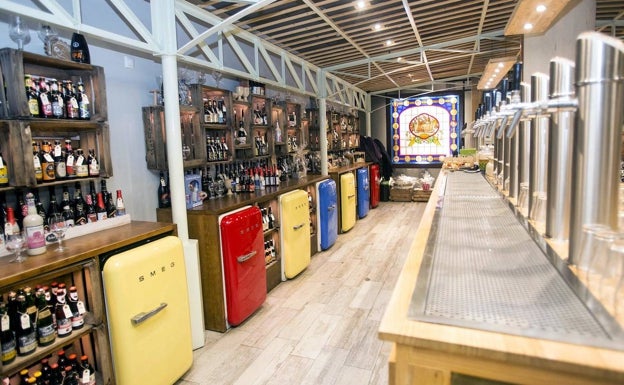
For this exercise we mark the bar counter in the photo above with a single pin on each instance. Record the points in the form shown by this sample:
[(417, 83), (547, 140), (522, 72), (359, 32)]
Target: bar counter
[(444, 353)]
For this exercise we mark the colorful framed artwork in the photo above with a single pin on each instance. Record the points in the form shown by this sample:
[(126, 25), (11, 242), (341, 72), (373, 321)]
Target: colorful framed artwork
[(425, 129)]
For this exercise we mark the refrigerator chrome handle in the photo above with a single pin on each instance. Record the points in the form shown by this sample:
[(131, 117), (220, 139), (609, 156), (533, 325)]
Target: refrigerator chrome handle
[(297, 227), (245, 257), (331, 207), (141, 317), (351, 196)]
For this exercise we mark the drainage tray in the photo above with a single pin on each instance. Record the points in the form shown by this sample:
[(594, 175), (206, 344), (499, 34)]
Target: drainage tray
[(483, 270)]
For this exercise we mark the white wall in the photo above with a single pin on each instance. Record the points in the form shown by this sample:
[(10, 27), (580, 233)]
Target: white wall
[(559, 40)]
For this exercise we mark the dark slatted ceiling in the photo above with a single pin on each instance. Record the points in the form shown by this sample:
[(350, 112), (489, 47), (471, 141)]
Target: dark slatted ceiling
[(298, 26)]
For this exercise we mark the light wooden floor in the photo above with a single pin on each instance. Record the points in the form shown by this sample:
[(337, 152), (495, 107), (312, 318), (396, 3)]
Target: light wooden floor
[(321, 327)]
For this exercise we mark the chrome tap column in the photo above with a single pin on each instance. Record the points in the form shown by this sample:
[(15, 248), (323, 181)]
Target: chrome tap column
[(560, 136), (597, 134), (538, 157), (524, 140)]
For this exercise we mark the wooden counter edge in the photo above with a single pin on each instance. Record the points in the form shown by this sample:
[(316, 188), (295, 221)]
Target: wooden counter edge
[(510, 349), (80, 249)]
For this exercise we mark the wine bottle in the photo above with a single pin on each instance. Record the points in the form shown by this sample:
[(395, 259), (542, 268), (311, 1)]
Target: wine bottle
[(80, 49), (42, 212), (91, 214), (33, 227), (84, 111)]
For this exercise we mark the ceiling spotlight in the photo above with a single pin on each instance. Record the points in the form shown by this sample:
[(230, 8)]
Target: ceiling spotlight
[(377, 27), (389, 43), (540, 14), (540, 8), (399, 59), (528, 26), (361, 4)]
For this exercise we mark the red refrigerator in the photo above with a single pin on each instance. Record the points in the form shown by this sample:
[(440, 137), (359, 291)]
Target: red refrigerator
[(242, 256), (375, 181)]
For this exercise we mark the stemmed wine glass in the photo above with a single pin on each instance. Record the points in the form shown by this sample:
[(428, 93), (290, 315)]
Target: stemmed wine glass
[(16, 243), (19, 32), (58, 227)]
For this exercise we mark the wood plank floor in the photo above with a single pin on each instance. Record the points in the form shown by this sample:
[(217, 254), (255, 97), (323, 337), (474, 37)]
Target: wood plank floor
[(321, 327)]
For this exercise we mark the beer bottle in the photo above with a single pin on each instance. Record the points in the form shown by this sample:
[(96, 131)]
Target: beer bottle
[(71, 104), (56, 375), (91, 214), (46, 334), (42, 212), (25, 332), (31, 97), (81, 166), (7, 338), (37, 161), (63, 313), (70, 160), (56, 98), (47, 166), (164, 200), (87, 374), (77, 308), (80, 213), (60, 168), (84, 111), (45, 105), (94, 165)]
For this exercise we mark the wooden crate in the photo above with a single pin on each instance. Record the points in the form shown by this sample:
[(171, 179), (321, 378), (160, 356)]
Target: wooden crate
[(193, 136), (421, 195), (15, 64), (403, 194)]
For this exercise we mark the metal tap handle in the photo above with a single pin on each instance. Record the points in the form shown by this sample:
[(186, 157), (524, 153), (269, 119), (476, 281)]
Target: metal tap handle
[(501, 128), (141, 317), (514, 123)]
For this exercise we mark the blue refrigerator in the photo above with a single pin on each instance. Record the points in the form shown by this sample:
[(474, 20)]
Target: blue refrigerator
[(363, 192), (327, 196)]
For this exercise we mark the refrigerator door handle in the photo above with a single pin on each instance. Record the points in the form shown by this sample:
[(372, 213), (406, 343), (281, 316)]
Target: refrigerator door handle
[(141, 317), (297, 227), (331, 208), (351, 196), (245, 257)]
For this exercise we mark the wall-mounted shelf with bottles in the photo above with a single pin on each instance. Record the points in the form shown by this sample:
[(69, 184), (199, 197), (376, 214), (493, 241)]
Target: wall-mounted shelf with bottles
[(343, 133), (50, 99)]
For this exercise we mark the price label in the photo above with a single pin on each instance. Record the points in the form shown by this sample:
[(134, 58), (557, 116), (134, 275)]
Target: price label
[(67, 311), (5, 323), (25, 321), (86, 376), (81, 307)]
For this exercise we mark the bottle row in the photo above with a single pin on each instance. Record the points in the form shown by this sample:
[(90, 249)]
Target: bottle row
[(215, 111), (268, 219), (66, 369), (270, 255), (52, 98), (42, 226), (36, 318), (57, 162)]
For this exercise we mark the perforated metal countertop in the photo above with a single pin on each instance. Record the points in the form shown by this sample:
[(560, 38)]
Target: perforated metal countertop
[(482, 270)]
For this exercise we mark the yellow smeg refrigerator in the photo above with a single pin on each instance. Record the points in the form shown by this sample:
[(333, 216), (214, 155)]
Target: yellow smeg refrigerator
[(147, 312), (295, 242), (347, 201)]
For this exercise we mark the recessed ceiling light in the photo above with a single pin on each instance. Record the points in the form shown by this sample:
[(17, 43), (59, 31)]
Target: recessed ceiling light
[(389, 43), (399, 59), (528, 26), (540, 8), (377, 27), (501, 65), (361, 4), (497, 70)]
